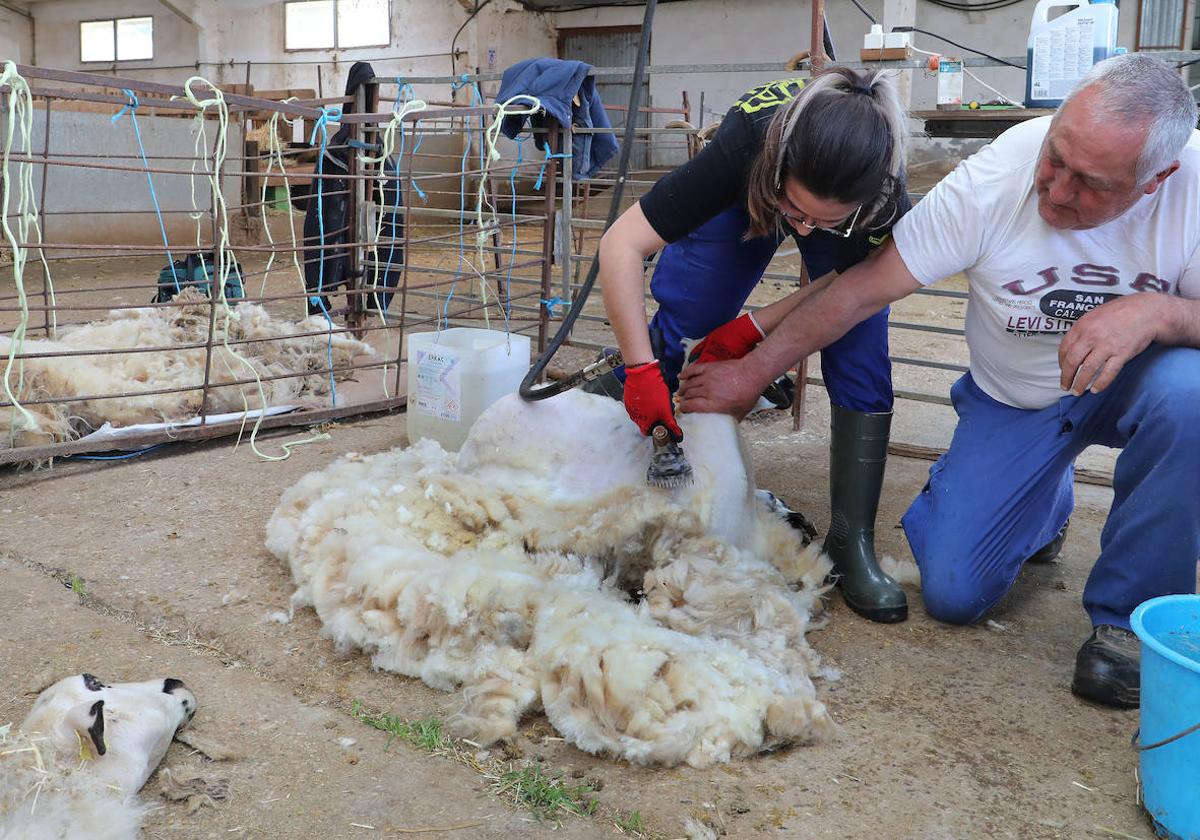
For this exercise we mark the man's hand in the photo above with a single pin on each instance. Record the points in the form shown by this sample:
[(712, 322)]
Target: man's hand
[(648, 400), (1099, 344), (731, 340), (719, 388)]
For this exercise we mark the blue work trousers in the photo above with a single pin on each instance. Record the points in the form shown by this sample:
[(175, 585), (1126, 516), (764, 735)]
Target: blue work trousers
[(1004, 489), (704, 279)]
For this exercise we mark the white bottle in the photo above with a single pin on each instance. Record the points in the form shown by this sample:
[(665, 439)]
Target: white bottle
[(455, 374), (1061, 51)]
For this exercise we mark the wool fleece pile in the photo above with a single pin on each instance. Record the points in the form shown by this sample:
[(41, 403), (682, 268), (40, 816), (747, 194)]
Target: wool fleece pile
[(277, 348), (537, 570)]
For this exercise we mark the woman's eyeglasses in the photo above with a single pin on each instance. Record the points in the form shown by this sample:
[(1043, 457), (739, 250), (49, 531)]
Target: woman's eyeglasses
[(843, 229)]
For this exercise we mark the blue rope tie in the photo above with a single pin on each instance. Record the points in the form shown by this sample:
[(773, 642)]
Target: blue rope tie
[(131, 106), (328, 113), (552, 303), (407, 94), (545, 161), (133, 454)]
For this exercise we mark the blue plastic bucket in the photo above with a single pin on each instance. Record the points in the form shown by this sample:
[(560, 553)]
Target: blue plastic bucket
[(1169, 629)]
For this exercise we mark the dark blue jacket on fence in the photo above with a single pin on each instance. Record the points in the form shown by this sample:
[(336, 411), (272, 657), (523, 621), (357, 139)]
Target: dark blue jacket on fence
[(556, 83)]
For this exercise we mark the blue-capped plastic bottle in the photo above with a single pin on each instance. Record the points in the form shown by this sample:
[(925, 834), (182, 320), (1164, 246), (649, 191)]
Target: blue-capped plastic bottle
[(1061, 51)]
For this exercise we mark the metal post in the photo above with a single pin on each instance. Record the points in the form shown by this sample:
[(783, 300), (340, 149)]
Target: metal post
[(497, 240), (408, 223), (356, 205), (213, 291), (42, 222), (564, 227), (816, 53), (249, 184), (552, 139)]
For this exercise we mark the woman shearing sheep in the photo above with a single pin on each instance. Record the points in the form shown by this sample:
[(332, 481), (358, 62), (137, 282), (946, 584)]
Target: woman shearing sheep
[(821, 160)]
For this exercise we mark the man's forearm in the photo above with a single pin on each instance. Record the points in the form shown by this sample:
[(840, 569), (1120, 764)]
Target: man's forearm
[(831, 309), (820, 319), (770, 317), (1180, 323)]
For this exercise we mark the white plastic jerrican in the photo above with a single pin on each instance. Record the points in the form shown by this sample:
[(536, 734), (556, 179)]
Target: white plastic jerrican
[(1061, 51), (873, 40), (455, 374)]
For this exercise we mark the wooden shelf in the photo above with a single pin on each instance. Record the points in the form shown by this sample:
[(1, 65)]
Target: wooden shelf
[(986, 124)]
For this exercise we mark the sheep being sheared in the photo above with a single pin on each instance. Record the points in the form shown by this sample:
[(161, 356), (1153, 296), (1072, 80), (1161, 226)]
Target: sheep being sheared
[(503, 572), (288, 351), (74, 767)]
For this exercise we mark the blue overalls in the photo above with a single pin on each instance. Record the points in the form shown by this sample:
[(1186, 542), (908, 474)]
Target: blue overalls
[(1005, 487)]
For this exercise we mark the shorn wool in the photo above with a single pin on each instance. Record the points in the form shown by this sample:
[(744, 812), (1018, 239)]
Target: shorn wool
[(301, 347), (537, 570)]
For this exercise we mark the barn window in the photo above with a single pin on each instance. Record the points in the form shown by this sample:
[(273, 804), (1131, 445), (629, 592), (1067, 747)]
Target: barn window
[(121, 39), (336, 24)]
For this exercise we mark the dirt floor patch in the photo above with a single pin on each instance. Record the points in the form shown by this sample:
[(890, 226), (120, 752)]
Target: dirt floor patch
[(946, 732)]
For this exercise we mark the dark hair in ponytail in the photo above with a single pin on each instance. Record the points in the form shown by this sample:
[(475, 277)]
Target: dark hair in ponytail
[(844, 137)]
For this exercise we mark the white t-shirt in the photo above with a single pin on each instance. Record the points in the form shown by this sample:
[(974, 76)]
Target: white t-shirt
[(1030, 282)]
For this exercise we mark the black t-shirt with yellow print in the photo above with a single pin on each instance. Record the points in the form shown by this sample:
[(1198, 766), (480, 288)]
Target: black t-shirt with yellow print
[(696, 191)]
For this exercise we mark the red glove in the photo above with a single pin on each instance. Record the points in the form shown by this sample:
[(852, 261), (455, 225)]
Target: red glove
[(728, 341), (648, 400)]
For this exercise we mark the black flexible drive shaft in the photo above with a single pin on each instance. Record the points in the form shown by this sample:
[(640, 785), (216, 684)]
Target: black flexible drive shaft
[(528, 391)]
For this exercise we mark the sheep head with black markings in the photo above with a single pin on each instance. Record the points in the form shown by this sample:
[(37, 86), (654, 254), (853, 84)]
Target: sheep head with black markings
[(83, 752)]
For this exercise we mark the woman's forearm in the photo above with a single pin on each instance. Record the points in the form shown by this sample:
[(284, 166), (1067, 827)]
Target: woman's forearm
[(622, 282)]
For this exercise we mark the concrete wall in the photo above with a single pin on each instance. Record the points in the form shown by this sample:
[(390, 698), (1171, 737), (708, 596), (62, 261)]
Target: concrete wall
[(222, 37), (734, 31), (80, 201), (225, 35), (718, 31), (57, 38), (16, 37)]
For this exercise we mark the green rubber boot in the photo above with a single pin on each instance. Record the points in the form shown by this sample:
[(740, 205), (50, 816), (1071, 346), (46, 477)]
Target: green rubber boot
[(857, 456)]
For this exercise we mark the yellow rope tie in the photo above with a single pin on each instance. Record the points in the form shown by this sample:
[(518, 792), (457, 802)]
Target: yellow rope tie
[(492, 137), (275, 157), (223, 251), (387, 149), (20, 112)]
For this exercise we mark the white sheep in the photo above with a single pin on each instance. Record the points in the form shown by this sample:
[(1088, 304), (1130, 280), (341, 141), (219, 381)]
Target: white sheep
[(505, 572), (74, 767)]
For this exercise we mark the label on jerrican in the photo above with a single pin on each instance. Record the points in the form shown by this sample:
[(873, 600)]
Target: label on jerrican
[(439, 385), (1061, 57)]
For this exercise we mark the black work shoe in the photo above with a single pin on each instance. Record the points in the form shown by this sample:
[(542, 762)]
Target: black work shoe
[(1050, 551), (781, 393), (794, 518), (1108, 668)]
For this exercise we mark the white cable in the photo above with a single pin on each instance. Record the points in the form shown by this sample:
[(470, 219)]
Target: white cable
[(1003, 97)]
